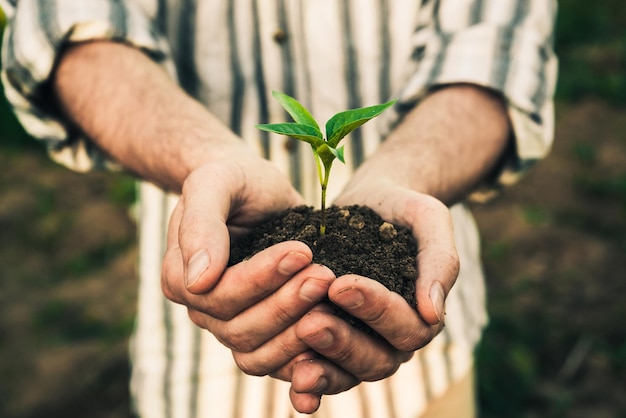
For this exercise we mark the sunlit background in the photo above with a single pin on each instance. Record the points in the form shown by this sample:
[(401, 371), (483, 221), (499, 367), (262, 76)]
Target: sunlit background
[(554, 251)]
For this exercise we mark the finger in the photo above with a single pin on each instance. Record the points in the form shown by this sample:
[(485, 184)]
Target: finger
[(243, 285), (305, 403), (430, 221), (172, 268), (364, 356), (437, 258), (270, 316), (384, 311), (202, 234), (321, 376), (312, 378), (276, 358)]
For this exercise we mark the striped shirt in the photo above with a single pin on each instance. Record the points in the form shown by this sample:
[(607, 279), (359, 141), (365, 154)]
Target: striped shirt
[(330, 55)]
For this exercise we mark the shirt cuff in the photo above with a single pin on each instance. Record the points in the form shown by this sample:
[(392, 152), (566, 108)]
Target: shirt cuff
[(518, 65), (32, 43)]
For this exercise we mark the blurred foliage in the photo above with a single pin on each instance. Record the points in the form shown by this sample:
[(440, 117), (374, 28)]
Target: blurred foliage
[(59, 322), (539, 323), (12, 135), (591, 45)]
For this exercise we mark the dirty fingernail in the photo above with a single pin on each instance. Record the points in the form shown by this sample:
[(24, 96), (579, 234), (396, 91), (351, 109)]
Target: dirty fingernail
[(292, 263), (313, 290), (198, 263), (321, 339), (437, 297), (350, 298)]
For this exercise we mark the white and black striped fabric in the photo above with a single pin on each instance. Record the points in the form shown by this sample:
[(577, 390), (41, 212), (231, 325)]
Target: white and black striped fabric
[(331, 55)]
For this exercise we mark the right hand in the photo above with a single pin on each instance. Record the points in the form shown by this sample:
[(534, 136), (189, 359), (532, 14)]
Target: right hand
[(219, 201), (251, 307)]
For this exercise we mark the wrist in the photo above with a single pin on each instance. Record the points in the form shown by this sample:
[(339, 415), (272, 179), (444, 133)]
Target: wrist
[(130, 108), (446, 145)]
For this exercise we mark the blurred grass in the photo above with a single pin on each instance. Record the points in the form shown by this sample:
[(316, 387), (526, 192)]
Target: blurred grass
[(554, 346), (591, 44), (67, 286)]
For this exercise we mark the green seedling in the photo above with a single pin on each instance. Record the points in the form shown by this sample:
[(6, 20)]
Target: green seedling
[(325, 150)]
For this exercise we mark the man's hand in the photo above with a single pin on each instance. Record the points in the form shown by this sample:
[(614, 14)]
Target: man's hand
[(349, 356), (439, 153), (220, 201), (252, 307)]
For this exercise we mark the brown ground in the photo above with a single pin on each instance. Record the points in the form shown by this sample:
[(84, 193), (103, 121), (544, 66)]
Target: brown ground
[(555, 251)]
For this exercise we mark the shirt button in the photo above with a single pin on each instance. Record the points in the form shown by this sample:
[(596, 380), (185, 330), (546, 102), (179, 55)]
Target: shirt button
[(280, 37), (290, 145)]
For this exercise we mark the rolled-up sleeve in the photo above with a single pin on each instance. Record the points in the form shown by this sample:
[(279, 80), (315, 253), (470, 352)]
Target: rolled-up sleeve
[(37, 32), (502, 45)]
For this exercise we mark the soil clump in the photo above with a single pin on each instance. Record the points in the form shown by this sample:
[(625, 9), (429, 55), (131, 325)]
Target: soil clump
[(357, 241)]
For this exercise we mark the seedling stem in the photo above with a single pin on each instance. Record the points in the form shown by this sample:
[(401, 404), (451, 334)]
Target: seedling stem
[(325, 150)]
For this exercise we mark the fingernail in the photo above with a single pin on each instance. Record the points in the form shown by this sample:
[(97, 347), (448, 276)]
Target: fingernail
[(437, 298), (198, 263), (321, 339), (349, 298), (292, 263), (312, 290)]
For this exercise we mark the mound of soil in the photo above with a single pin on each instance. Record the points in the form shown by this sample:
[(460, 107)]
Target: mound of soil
[(357, 241)]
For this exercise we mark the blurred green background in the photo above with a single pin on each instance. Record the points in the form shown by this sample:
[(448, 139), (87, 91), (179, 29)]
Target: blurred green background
[(554, 249)]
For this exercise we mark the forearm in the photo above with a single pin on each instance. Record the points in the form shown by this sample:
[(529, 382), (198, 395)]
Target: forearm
[(447, 145), (128, 106)]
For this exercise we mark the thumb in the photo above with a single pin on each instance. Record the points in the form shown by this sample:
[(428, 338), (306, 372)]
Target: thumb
[(435, 279), (437, 260), (203, 236)]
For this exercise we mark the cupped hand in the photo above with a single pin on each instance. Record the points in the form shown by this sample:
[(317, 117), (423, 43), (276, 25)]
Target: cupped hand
[(348, 356), (431, 224), (220, 201)]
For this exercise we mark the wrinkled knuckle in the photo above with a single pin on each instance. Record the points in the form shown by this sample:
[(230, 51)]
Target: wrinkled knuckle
[(375, 317), (344, 355), (219, 311), (166, 288), (385, 367), (249, 366), (263, 288), (238, 340), (195, 317), (415, 340), (283, 315)]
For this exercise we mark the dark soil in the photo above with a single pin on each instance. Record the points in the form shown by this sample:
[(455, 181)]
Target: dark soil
[(351, 232)]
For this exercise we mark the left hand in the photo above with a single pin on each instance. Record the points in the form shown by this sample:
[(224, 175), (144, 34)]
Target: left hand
[(361, 357), (442, 149)]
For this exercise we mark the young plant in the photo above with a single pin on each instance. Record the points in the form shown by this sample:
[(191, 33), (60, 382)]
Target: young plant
[(325, 150)]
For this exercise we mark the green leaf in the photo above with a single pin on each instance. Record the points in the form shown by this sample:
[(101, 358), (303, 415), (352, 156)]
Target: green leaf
[(345, 122), (299, 131), (298, 112), (338, 152), (326, 154)]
